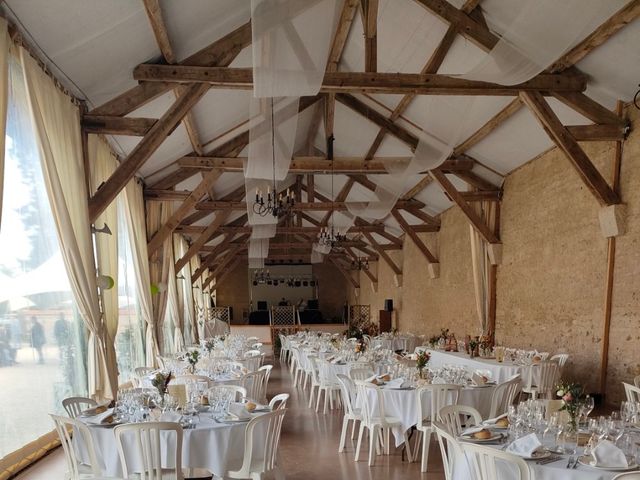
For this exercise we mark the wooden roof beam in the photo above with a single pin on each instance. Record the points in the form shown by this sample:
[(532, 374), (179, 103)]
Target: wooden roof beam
[(361, 82), (568, 144), (369, 10), (382, 253), (345, 273), (203, 238), (196, 229), (141, 153), (434, 266)]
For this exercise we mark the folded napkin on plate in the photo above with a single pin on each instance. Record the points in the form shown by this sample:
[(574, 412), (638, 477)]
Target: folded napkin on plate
[(170, 417), (472, 430), (239, 410), (336, 360), (606, 454), (372, 379), (525, 446), (478, 379), (100, 418), (493, 421), (395, 383)]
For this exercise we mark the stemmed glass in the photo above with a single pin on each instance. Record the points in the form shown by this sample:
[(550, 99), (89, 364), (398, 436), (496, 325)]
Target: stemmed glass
[(550, 433), (587, 407), (616, 429)]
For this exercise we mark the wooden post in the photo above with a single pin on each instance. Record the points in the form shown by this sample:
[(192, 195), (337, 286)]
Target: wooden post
[(493, 280), (611, 263)]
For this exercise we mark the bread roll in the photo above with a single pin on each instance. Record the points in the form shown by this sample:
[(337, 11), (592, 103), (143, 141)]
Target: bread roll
[(482, 434), (503, 422), (250, 406), (100, 409)]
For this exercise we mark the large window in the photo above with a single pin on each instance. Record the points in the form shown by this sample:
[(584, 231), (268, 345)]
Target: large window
[(42, 337)]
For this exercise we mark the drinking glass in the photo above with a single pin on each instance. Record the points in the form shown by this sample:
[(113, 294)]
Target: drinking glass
[(588, 405), (550, 433), (616, 430)]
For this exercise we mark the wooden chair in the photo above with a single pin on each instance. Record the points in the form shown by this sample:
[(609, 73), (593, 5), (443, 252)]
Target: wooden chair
[(261, 455), (483, 460), (74, 406), (148, 447)]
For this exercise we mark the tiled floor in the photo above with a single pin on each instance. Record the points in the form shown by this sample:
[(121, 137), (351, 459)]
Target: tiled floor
[(309, 447)]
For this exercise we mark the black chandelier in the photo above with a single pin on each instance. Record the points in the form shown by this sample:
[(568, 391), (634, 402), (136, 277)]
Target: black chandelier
[(261, 276), (360, 263), (329, 236), (275, 204)]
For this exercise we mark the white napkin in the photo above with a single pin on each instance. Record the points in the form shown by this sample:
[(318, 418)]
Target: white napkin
[(239, 410), (493, 421), (478, 379), (472, 430), (371, 378), (395, 383), (525, 446), (606, 454), (170, 417), (100, 418)]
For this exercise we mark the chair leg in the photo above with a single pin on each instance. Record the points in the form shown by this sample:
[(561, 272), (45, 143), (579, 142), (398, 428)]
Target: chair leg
[(373, 441), (327, 396), (417, 444), (407, 447), (387, 441), (353, 430), (425, 451), (330, 399), (318, 401), (343, 436), (359, 444), (311, 397)]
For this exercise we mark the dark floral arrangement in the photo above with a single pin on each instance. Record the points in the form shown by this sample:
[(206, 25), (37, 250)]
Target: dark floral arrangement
[(360, 329), (209, 345), (572, 395), (422, 359), (192, 357), (161, 382)]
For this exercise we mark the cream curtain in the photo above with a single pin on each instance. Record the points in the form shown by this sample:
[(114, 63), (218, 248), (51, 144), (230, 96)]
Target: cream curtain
[(481, 264), (186, 292), (103, 164), (57, 124), (5, 42), (198, 298), (174, 305), (157, 214), (135, 215)]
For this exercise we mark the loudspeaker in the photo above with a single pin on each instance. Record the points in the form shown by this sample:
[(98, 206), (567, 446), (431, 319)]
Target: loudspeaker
[(262, 305), (388, 304), (312, 305)]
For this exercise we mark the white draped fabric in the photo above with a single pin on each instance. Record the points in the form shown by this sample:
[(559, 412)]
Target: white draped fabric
[(185, 292), (5, 42), (57, 123), (135, 216), (174, 306), (103, 164)]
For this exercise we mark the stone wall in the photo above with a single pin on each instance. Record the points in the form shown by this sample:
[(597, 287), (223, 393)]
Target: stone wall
[(551, 284), (233, 292), (333, 290)]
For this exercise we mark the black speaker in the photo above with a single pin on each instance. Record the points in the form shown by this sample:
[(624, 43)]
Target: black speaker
[(388, 304), (312, 305), (262, 305)]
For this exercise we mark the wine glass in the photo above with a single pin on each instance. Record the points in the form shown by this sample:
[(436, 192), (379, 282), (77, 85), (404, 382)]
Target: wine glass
[(588, 404), (550, 433), (616, 429)]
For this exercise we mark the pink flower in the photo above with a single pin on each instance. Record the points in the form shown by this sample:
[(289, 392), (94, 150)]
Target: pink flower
[(568, 397)]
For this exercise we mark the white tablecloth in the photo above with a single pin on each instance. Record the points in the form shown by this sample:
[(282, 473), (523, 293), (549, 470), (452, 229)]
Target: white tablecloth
[(211, 445), (403, 405), (551, 471), (500, 372)]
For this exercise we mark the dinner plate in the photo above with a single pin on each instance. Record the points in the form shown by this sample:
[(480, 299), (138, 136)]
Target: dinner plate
[(587, 460), (537, 455), (231, 419), (493, 426), (493, 438)]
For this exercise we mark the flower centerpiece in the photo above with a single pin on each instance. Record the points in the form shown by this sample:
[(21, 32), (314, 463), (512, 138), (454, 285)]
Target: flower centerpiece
[(422, 358), (209, 345), (161, 383), (473, 347), (192, 357), (572, 395)]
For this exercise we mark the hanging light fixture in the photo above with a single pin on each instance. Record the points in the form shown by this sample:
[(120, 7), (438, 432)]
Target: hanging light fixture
[(360, 263), (328, 235), (261, 276), (275, 204)]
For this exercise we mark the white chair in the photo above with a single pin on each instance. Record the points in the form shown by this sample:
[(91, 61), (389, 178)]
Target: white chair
[(236, 393), (143, 371), (147, 446), (449, 449), (458, 417), (255, 383), (285, 348), (376, 421), (259, 462), (296, 365), (633, 392), (315, 379), (504, 395), (440, 396), (253, 360), (327, 385), (348, 391), (636, 381), (483, 462), (360, 374), (279, 402), (188, 379), (74, 406), (627, 476), (76, 468), (256, 346), (560, 359), (545, 386)]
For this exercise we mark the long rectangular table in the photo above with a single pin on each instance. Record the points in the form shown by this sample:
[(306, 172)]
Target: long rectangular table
[(500, 372)]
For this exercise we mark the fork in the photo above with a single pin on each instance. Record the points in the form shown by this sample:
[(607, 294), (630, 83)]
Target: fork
[(575, 464), (569, 462)]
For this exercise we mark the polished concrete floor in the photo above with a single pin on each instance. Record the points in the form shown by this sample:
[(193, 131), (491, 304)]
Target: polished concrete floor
[(308, 447)]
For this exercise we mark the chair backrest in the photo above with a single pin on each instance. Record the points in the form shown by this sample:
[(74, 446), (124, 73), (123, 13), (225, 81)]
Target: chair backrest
[(143, 442), (560, 359), (187, 379), (312, 362), (458, 417), (633, 392), (372, 403), (449, 448), (441, 395), (636, 381), (325, 373), (255, 383), (357, 374), (252, 353), (348, 391), (65, 427), (74, 406), (547, 378), (279, 401), (235, 392), (260, 455), (143, 371), (483, 462), (627, 476), (504, 395), (253, 362)]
